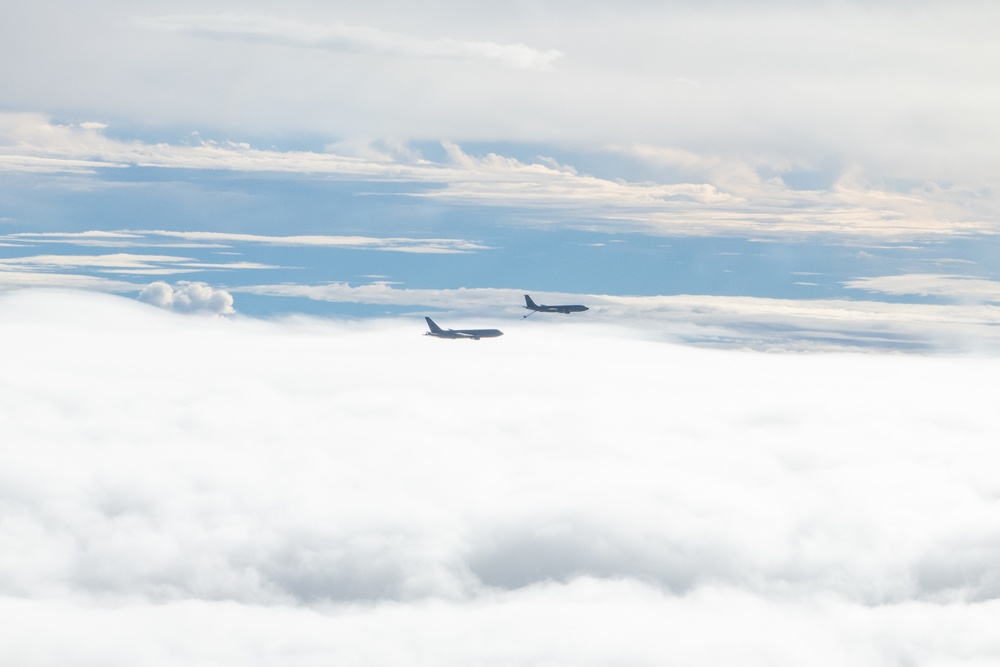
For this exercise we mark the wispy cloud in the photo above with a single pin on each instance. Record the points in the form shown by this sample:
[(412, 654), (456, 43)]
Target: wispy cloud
[(125, 263), (207, 239), (96, 236), (383, 293), (395, 244), (927, 284), (350, 38), (731, 199), (756, 323), (21, 279), (969, 322)]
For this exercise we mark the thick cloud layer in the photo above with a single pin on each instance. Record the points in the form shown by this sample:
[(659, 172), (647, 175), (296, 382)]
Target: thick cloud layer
[(896, 88), (180, 490)]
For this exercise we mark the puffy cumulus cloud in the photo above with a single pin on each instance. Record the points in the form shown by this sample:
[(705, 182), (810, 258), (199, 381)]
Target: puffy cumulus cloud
[(312, 491), (187, 297)]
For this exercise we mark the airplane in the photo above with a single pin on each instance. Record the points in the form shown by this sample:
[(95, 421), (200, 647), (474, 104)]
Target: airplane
[(536, 308), (474, 334)]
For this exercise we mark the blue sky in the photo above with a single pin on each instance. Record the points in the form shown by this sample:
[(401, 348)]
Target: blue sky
[(836, 153)]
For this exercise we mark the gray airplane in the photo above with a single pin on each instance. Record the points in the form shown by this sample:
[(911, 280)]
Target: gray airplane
[(474, 334), (542, 308)]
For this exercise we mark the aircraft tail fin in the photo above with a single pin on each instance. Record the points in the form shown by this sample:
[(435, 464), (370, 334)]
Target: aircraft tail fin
[(528, 303), (433, 327)]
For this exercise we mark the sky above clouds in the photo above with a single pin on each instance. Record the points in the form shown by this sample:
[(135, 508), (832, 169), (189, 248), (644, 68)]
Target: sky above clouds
[(639, 150), (225, 440)]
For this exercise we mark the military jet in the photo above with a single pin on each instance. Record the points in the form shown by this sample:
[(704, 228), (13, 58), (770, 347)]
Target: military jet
[(542, 308), (474, 334)]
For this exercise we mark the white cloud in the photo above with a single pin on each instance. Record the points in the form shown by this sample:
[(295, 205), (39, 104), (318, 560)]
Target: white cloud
[(757, 323), (724, 196), (382, 292), (350, 38), (752, 322), (188, 297), (20, 279), (932, 284), (121, 261), (149, 238), (126, 263), (225, 491), (903, 93), (395, 244), (93, 235)]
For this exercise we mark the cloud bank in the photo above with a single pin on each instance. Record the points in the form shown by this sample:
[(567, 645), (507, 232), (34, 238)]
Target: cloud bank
[(901, 92), (181, 490)]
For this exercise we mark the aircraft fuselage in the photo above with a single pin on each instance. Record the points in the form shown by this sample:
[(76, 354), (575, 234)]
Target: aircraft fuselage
[(542, 308), (474, 334)]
